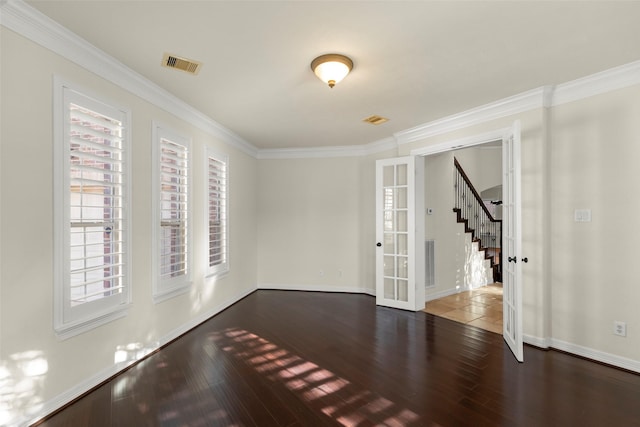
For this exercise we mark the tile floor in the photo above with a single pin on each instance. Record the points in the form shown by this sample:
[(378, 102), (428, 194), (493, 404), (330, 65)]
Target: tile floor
[(480, 307)]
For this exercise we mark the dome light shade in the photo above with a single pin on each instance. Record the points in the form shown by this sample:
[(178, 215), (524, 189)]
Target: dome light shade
[(331, 68)]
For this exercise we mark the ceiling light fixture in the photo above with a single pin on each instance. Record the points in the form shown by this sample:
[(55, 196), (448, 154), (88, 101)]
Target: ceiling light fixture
[(331, 68)]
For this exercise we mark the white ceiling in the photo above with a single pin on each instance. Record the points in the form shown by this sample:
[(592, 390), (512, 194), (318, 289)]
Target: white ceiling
[(415, 61)]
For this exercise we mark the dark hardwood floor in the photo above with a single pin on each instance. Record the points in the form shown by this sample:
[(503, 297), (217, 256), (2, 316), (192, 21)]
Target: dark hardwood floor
[(283, 358)]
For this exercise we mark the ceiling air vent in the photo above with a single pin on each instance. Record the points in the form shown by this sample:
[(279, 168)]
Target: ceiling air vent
[(182, 64), (375, 120)]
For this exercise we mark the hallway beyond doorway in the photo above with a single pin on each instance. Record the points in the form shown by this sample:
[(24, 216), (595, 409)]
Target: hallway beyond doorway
[(481, 307)]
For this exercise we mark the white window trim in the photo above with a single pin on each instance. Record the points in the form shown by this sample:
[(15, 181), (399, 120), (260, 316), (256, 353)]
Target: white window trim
[(70, 321), (164, 289), (222, 269)]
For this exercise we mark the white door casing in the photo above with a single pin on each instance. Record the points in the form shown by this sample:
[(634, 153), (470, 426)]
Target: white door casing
[(511, 247)]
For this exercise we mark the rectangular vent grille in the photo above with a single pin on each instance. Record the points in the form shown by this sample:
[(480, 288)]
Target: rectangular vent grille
[(182, 64), (375, 120), (430, 263)]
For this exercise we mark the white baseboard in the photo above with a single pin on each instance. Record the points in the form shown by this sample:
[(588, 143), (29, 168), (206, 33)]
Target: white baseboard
[(441, 294), (79, 389), (544, 343), (589, 353), (600, 356), (317, 288)]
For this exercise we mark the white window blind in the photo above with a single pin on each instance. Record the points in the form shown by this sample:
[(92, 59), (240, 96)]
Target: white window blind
[(91, 211), (217, 213), (172, 213), (96, 205)]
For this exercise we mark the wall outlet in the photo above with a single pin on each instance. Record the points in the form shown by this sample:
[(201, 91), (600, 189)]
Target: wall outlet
[(620, 328)]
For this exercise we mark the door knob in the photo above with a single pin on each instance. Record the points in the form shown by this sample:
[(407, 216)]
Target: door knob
[(378, 244), (512, 259), (525, 259)]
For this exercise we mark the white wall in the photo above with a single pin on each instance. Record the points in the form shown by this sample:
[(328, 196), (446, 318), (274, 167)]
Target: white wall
[(308, 216), (595, 156), (458, 263), (27, 337), (483, 166)]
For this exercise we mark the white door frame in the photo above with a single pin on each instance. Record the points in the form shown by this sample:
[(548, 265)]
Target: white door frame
[(479, 139)]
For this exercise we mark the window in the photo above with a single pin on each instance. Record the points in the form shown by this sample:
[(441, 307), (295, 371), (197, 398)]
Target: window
[(91, 211), (217, 176), (171, 152)]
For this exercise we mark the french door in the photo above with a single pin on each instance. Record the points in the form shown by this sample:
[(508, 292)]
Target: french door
[(399, 239), (512, 242)]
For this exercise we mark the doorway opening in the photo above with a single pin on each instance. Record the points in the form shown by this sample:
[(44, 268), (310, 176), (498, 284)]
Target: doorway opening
[(467, 256)]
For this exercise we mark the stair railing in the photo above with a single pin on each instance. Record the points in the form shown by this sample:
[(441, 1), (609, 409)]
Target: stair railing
[(471, 210)]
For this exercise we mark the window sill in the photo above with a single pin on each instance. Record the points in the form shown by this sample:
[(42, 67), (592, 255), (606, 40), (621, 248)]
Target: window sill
[(167, 294), (69, 330)]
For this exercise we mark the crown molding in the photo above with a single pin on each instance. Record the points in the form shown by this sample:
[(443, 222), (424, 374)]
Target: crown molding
[(35, 26), (596, 84), (505, 107), (329, 152), (546, 96)]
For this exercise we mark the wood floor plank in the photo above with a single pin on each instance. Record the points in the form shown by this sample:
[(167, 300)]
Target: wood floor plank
[(287, 359)]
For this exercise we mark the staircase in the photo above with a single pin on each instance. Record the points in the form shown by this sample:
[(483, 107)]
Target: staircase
[(471, 211)]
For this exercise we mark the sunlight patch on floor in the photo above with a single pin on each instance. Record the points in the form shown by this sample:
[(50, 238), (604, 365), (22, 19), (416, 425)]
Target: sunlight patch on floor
[(322, 389)]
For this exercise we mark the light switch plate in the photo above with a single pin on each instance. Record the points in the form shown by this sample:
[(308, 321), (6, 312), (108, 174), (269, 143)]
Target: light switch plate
[(582, 215)]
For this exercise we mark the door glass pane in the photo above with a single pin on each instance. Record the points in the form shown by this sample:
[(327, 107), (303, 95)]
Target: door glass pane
[(401, 221), (401, 198), (401, 175), (388, 221), (389, 288), (387, 176), (389, 247), (402, 246), (403, 290), (389, 201), (389, 266), (401, 269)]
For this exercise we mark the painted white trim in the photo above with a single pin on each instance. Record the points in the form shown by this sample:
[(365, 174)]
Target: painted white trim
[(316, 288), (546, 96), (164, 289), (544, 343), (37, 27), (221, 269), (70, 321), (600, 356), (328, 152), (596, 84), (79, 389), (456, 144), (589, 353), (502, 108), (442, 294)]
